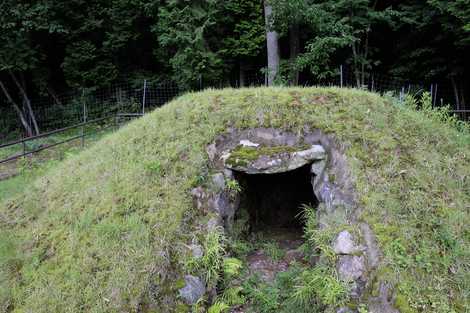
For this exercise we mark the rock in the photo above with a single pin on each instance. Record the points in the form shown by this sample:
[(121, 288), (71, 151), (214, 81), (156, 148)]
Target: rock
[(247, 143), (383, 303), (219, 181), (211, 152), (193, 290), (316, 152), (350, 267), (214, 223), (294, 255), (279, 163), (344, 244), (318, 167), (372, 251), (196, 251), (200, 198), (344, 310), (228, 173), (260, 263)]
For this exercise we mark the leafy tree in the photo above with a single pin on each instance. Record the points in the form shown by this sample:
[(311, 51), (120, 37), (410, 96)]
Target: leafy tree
[(20, 24), (244, 36), (436, 42), (183, 28), (334, 25)]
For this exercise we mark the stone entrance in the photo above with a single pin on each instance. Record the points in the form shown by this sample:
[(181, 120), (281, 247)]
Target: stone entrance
[(270, 174), (276, 200)]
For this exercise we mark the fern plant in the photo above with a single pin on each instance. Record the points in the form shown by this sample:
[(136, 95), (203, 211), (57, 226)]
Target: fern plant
[(218, 307), (213, 253), (232, 267), (234, 296), (318, 287)]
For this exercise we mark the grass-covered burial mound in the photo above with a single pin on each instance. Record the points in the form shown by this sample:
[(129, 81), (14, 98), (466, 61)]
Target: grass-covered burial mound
[(250, 200)]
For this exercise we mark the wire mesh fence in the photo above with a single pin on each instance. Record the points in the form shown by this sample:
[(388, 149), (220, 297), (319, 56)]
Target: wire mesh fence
[(131, 99)]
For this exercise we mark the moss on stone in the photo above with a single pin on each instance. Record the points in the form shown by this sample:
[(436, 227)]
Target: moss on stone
[(243, 155)]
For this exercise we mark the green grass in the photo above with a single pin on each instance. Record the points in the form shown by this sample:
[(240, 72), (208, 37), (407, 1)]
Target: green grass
[(104, 231), (25, 170)]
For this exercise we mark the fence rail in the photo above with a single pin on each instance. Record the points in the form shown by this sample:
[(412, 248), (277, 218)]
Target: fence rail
[(125, 100), (43, 135)]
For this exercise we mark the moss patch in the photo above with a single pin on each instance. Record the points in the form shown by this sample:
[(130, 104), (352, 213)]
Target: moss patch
[(243, 155)]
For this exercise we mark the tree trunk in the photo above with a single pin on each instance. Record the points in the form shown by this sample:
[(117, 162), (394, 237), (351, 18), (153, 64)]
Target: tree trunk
[(24, 122), (294, 46), (27, 102), (272, 44), (456, 92), (54, 96), (355, 65), (242, 77), (364, 59), (462, 95)]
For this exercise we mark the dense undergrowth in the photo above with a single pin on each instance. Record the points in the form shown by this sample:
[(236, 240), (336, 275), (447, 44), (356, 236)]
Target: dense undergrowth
[(105, 228)]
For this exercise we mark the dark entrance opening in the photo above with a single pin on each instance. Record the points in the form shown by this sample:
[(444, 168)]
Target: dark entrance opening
[(274, 201)]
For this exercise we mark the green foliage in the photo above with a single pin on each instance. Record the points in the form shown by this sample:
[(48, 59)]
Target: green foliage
[(192, 58), (233, 186), (363, 309), (234, 296), (247, 36), (211, 264), (232, 267), (273, 250), (443, 114), (265, 298), (295, 290), (218, 307), (318, 287), (335, 25)]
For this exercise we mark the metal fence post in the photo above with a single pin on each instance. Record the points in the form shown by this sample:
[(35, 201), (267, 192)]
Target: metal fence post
[(24, 149), (432, 93), (341, 75), (84, 118), (143, 97)]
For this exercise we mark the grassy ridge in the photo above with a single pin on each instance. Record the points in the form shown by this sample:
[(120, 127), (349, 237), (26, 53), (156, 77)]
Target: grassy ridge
[(98, 230)]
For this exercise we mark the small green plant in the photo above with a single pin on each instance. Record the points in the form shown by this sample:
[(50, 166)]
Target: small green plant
[(218, 307), (213, 252), (210, 264), (154, 167), (362, 309), (398, 252), (273, 250), (233, 186), (320, 287), (265, 298), (309, 216), (234, 296), (232, 267), (199, 306), (240, 248)]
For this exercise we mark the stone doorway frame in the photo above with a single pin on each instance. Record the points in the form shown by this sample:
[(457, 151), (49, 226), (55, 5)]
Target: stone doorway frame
[(279, 151)]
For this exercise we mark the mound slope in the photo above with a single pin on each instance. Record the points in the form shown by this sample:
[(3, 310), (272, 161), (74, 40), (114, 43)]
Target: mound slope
[(109, 229)]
